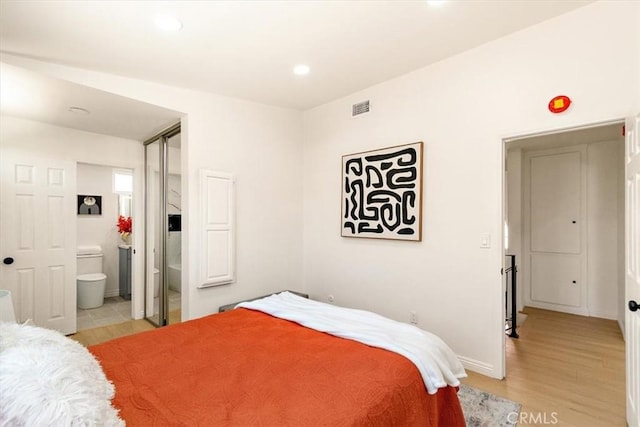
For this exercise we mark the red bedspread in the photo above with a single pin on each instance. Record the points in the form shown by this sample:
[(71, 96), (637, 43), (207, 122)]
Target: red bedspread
[(244, 367)]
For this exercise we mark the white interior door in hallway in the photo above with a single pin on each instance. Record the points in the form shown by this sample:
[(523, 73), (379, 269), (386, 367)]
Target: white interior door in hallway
[(632, 268), (38, 240), (555, 247)]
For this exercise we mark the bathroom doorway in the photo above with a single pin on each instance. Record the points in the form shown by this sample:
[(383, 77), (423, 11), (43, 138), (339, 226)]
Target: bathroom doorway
[(103, 245), (163, 214)]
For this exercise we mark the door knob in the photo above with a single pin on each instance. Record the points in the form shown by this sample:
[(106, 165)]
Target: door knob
[(633, 306), (8, 260)]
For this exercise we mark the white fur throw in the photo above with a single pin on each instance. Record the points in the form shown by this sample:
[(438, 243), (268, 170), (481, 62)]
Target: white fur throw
[(47, 379)]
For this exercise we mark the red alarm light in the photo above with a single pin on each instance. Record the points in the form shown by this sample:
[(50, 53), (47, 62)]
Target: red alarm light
[(559, 103)]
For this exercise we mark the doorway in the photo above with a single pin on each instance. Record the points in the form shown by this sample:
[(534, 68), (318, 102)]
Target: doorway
[(564, 212), (109, 232), (163, 213), (564, 219)]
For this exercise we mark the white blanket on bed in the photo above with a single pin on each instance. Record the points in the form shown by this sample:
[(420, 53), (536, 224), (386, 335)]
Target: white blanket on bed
[(436, 362)]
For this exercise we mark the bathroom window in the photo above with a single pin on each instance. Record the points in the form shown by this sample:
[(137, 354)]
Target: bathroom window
[(122, 181)]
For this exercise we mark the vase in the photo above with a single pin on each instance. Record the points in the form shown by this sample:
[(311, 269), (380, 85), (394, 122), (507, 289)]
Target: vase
[(126, 238)]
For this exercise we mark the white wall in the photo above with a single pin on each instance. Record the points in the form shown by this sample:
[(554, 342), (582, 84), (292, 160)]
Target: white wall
[(20, 135), (261, 147), (100, 229), (603, 164), (462, 108)]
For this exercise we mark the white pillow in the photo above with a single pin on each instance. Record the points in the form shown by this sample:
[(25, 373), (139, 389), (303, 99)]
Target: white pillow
[(49, 379)]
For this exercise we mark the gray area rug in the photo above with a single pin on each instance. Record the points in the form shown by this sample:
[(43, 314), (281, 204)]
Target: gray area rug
[(483, 409)]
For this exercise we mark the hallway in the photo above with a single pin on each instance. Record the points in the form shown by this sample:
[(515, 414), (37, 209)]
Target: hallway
[(565, 367)]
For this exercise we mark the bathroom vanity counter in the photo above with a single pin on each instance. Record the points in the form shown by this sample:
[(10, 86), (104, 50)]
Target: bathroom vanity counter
[(124, 264)]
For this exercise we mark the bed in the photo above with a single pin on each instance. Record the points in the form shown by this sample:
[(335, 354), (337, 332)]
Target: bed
[(249, 367)]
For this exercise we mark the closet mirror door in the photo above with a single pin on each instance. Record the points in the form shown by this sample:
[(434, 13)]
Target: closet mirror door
[(155, 271), (173, 231), (163, 215)]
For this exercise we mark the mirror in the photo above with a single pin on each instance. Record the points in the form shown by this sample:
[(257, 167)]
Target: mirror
[(124, 205)]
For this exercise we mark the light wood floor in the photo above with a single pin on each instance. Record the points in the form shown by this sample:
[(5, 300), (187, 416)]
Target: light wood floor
[(105, 333), (563, 367), (572, 366)]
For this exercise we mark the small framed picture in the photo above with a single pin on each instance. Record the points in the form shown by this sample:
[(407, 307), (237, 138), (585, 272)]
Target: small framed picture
[(89, 205)]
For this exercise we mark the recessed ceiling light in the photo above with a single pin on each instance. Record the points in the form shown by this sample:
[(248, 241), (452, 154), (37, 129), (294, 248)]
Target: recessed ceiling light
[(436, 2), (301, 70), (79, 110), (168, 23)]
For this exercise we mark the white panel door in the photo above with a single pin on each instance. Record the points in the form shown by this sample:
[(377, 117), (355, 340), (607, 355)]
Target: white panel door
[(38, 231), (555, 212), (556, 278), (632, 268), (217, 266), (555, 203)]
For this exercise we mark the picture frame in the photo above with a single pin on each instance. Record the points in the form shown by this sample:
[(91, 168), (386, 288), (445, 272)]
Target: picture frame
[(89, 204), (382, 193)]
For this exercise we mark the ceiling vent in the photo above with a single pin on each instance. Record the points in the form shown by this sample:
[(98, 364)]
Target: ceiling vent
[(360, 108)]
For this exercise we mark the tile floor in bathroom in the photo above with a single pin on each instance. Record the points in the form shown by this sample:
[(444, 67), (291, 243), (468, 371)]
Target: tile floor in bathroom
[(115, 310)]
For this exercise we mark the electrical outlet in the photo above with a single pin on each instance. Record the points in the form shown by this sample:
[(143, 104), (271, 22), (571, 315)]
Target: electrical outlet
[(413, 317)]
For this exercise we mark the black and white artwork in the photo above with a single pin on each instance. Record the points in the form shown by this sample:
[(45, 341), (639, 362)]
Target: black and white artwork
[(382, 193), (89, 205)]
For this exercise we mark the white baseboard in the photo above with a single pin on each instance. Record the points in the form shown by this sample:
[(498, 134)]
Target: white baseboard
[(478, 366), (558, 307), (573, 310), (604, 315), (111, 293)]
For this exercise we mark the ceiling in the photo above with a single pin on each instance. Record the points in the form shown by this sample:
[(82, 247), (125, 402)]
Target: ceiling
[(247, 49), (28, 95)]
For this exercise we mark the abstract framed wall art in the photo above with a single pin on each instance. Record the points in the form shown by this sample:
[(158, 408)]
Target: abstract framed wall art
[(382, 193)]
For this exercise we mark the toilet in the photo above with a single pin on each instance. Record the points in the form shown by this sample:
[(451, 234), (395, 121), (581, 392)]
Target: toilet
[(90, 279)]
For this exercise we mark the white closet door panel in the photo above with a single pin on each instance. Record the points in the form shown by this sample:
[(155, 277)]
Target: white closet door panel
[(218, 261), (56, 222), (24, 174), (24, 205), (37, 229), (218, 194), (24, 292), (555, 203), (217, 266), (53, 287), (557, 279), (55, 178)]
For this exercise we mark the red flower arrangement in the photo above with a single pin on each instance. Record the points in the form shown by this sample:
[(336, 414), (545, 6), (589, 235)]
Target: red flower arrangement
[(124, 226)]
